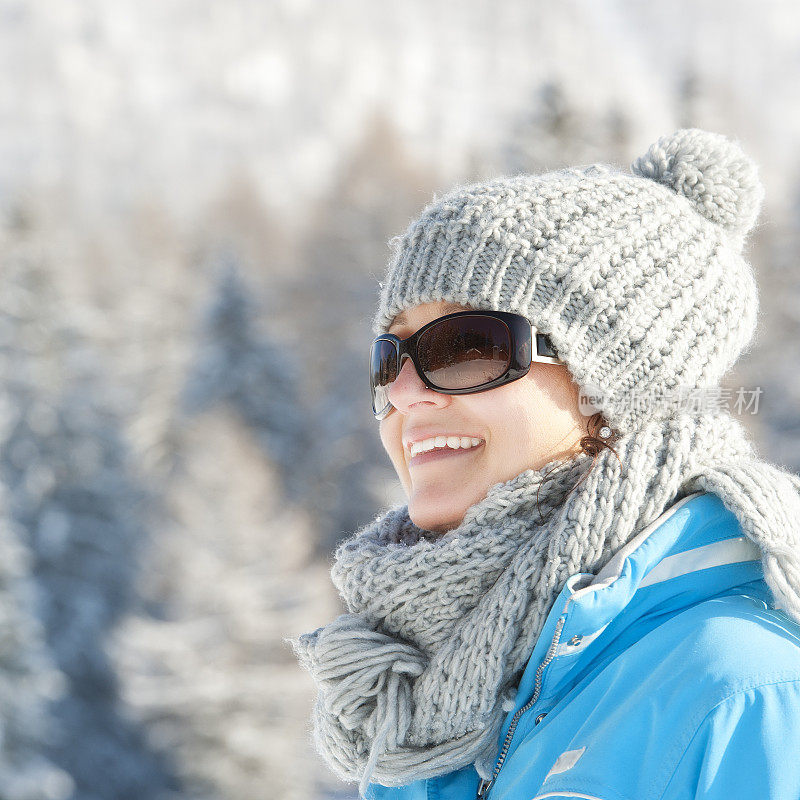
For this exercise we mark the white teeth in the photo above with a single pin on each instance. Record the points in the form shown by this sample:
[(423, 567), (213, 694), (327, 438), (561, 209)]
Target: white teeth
[(452, 442)]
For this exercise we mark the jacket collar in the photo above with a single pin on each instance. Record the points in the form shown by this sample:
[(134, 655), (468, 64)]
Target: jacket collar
[(693, 551)]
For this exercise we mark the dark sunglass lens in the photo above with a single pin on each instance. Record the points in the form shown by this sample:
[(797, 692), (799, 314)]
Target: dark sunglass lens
[(383, 372), (465, 352)]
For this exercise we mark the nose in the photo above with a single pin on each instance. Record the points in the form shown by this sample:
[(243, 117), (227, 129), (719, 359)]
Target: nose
[(409, 392)]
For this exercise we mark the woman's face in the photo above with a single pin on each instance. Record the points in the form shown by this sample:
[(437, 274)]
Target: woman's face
[(522, 425)]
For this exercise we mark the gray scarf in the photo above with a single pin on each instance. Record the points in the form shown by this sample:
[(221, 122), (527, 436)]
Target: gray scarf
[(415, 680)]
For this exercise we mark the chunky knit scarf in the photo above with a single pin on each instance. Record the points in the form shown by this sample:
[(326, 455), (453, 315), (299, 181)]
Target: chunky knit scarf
[(415, 680)]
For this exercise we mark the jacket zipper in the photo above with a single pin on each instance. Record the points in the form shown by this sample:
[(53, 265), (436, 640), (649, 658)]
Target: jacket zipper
[(485, 786)]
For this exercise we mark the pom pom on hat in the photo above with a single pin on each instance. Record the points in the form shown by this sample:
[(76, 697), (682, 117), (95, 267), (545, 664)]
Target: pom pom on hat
[(710, 170)]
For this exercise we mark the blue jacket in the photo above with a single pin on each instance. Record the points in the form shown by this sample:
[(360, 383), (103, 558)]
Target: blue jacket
[(669, 675)]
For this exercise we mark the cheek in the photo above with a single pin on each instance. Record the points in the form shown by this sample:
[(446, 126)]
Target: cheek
[(519, 420), (391, 437), (507, 412)]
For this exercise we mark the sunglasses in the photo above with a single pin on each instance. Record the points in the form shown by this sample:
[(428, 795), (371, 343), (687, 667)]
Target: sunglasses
[(461, 353)]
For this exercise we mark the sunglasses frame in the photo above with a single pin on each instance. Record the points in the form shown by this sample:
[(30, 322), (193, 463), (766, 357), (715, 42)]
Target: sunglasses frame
[(522, 334)]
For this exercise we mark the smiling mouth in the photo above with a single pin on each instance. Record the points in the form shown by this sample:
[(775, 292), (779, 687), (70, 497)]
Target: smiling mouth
[(439, 453), (444, 442)]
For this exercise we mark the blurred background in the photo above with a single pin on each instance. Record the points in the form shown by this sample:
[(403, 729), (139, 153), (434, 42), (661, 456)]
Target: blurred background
[(195, 203)]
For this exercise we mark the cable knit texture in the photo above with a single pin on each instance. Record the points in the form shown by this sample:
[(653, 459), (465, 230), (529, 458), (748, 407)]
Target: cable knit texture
[(414, 681), (640, 283), (638, 278)]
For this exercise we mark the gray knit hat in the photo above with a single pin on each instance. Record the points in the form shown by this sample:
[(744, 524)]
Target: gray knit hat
[(637, 278)]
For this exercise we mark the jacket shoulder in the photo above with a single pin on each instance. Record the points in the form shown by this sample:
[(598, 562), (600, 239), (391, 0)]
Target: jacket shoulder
[(649, 717), (746, 746), (734, 641)]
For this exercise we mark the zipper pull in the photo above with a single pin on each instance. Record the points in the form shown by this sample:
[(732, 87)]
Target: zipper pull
[(483, 788)]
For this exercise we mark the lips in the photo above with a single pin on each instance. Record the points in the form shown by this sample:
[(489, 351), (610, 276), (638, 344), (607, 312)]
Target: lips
[(443, 453)]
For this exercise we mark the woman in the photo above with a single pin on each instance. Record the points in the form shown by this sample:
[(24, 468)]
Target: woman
[(594, 588)]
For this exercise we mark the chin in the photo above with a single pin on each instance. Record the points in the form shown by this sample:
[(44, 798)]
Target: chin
[(434, 519)]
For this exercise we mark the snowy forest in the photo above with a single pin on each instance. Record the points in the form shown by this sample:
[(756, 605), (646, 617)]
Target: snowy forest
[(195, 204)]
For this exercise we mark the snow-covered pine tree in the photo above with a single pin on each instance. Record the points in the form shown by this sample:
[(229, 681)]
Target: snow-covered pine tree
[(556, 130), (378, 190), (29, 681), (71, 492), (239, 366), (232, 571)]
